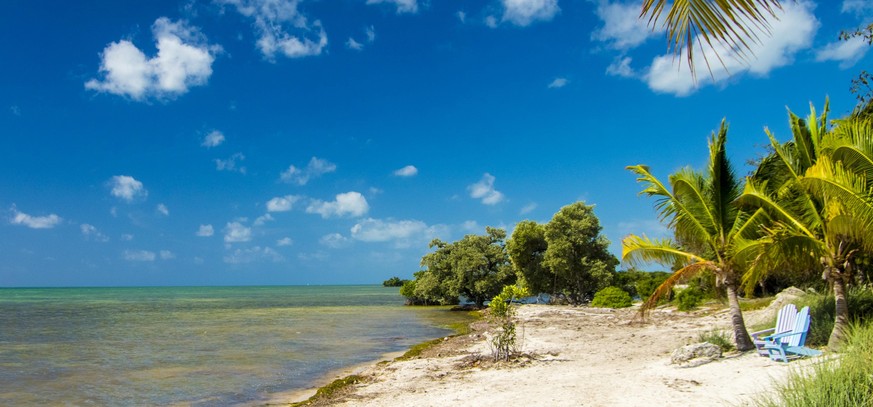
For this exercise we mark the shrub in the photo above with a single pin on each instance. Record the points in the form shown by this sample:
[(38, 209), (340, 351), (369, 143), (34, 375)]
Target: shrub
[(647, 284), (393, 282), (718, 338), (688, 299), (821, 309), (504, 343), (612, 297)]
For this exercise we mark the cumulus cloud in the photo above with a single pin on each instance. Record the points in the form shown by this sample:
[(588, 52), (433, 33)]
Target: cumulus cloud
[(403, 233), (622, 29), (352, 44), (184, 60), (236, 232), (525, 12), (90, 232), (528, 208), (232, 164), (484, 190), (213, 139), (127, 188), (621, 67), (34, 222), (138, 255), (558, 83), (792, 32), (403, 6), (407, 171), (346, 204), (861, 8), (252, 255), (371, 33), (162, 209), (285, 241), (316, 168), (462, 16), (263, 219), (282, 203), (274, 20), (847, 52), (334, 240), (205, 231), (167, 255)]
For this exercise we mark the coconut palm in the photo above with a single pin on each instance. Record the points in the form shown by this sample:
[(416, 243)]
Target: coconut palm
[(734, 24), (815, 192), (708, 227)]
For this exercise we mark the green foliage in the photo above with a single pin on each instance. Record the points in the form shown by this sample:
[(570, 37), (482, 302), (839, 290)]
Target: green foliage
[(577, 254), (648, 282), (329, 390), (475, 267), (755, 304), (719, 338), (822, 312), (847, 381), (612, 297), (394, 282), (526, 249), (504, 343), (688, 299)]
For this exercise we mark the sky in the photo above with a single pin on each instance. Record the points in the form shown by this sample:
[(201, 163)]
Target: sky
[(260, 142)]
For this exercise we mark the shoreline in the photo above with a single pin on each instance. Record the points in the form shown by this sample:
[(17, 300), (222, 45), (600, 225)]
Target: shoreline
[(572, 356)]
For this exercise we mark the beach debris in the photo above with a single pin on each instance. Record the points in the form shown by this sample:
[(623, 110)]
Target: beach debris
[(695, 354)]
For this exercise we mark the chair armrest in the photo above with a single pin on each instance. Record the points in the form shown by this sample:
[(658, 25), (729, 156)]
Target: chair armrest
[(756, 334), (781, 335)]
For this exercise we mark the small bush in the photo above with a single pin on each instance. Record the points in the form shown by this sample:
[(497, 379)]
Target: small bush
[(647, 284), (688, 299), (719, 338), (612, 297)]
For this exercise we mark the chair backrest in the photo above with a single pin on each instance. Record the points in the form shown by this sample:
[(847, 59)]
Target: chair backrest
[(786, 320), (801, 325)]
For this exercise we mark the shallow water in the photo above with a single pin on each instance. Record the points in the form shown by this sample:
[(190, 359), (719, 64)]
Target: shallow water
[(200, 346)]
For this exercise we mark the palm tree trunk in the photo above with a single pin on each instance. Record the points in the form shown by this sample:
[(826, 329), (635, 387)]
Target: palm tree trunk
[(841, 322), (743, 340)]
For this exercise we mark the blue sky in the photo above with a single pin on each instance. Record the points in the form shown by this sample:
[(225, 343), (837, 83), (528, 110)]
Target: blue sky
[(326, 142)]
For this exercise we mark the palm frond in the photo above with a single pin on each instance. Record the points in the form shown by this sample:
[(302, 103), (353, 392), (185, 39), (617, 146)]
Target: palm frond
[(723, 187), (733, 23), (678, 276), (679, 214), (639, 250), (755, 196)]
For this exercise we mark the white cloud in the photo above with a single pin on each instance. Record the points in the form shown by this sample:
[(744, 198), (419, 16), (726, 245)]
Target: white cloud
[(861, 8), (558, 83), (491, 21), (349, 203), (127, 188), (167, 255), (462, 16), (126, 237), (34, 222), (231, 164), (213, 139), (184, 60), (261, 220), (471, 226), (91, 232), (847, 52), (371, 34), (525, 12), (334, 240), (273, 20), (138, 255), (282, 203), (205, 231), (403, 233), (403, 6), (621, 67), (352, 44), (407, 171), (484, 190), (252, 255), (528, 208), (162, 209), (236, 232), (793, 31), (623, 29), (285, 241), (316, 168)]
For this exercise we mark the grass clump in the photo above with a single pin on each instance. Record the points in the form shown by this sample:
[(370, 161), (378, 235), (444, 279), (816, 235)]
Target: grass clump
[(331, 389), (847, 381), (718, 338), (755, 303), (822, 312), (612, 297)]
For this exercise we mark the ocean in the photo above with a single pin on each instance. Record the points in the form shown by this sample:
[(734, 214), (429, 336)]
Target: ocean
[(202, 346)]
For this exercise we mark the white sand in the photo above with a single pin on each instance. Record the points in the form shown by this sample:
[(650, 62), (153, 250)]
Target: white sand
[(583, 357)]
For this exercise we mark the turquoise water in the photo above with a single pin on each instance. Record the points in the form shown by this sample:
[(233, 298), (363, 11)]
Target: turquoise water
[(198, 346)]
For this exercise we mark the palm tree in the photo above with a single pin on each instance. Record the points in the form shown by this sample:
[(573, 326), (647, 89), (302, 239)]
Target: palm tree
[(814, 190), (734, 24), (699, 208)]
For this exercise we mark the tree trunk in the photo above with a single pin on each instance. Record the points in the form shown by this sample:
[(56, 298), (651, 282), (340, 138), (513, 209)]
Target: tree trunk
[(744, 341), (841, 322)]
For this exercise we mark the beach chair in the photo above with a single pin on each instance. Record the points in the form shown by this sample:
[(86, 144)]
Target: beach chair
[(784, 323), (794, 348)]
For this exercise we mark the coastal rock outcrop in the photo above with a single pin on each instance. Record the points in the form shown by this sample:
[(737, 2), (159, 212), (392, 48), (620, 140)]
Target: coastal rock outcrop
[(695, 355)]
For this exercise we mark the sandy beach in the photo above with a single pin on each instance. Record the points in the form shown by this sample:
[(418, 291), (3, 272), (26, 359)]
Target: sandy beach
[(576, 356)]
